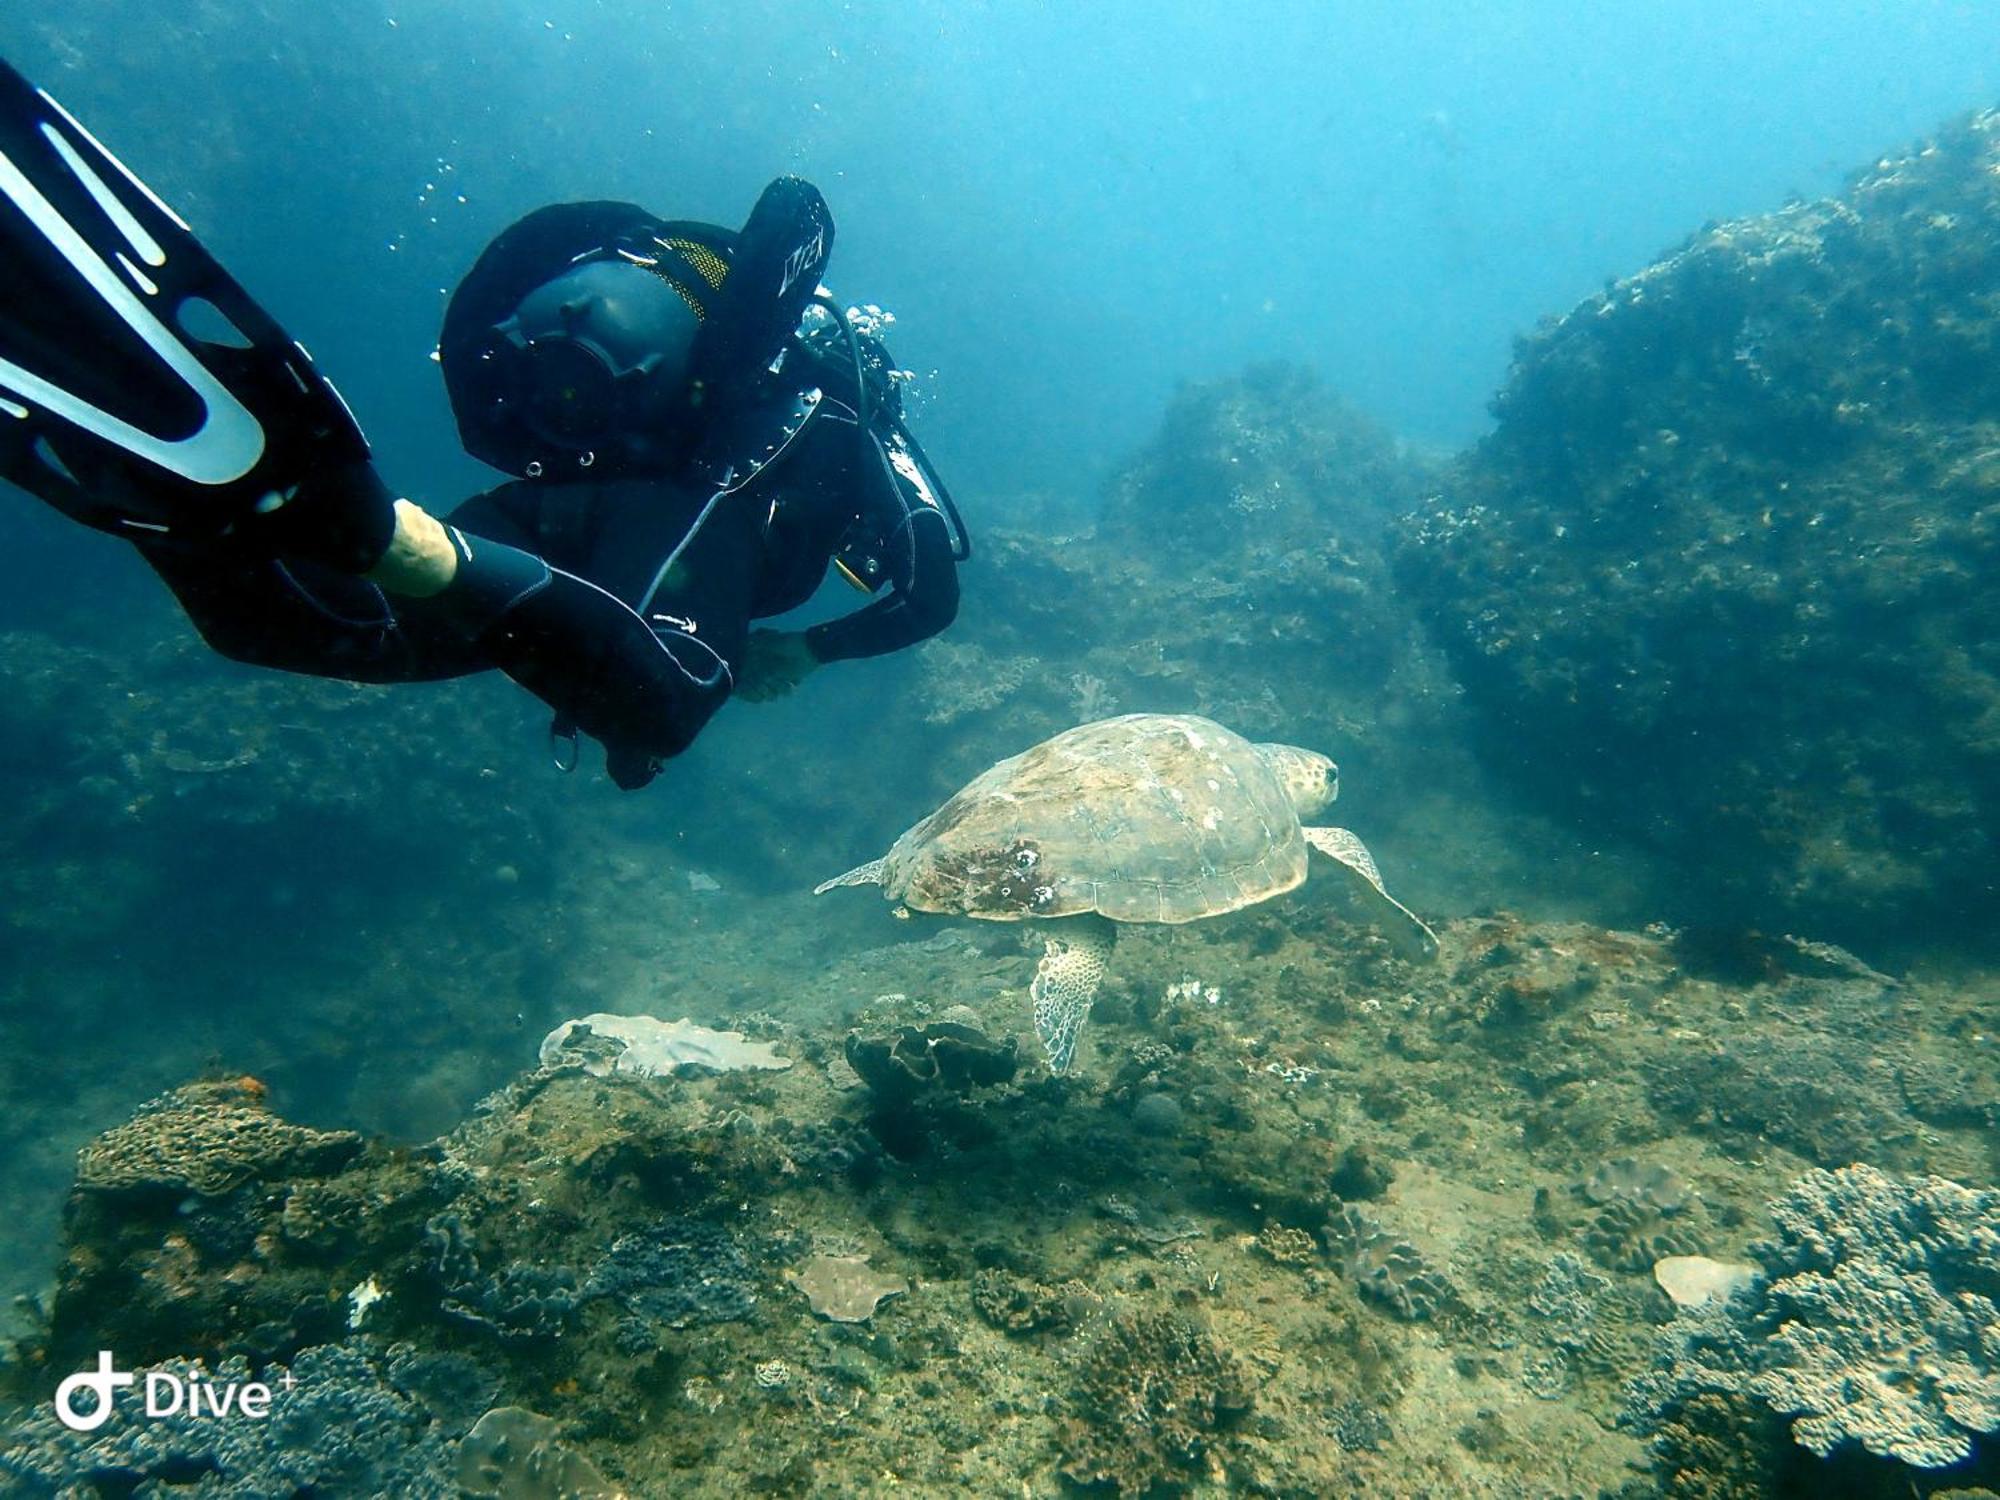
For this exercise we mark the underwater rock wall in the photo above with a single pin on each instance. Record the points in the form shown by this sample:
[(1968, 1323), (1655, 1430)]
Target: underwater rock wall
[(1721, 578)]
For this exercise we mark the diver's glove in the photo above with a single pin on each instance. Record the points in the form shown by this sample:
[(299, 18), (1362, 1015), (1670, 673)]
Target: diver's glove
[(581, 650), (775, 662)]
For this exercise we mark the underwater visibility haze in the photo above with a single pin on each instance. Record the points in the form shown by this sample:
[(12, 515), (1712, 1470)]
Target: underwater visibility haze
[(1282, 733)]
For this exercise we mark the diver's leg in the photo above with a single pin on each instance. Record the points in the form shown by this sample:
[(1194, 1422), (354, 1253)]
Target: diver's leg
[(300, 617)]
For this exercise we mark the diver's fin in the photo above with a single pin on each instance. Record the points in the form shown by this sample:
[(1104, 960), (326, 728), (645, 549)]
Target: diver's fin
[(141, 389)]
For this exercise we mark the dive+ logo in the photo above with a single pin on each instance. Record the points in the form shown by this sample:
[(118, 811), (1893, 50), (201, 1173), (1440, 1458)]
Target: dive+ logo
[(166, 1395)]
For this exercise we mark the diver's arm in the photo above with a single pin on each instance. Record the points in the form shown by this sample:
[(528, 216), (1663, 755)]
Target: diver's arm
[(923, 596), (574, 645)]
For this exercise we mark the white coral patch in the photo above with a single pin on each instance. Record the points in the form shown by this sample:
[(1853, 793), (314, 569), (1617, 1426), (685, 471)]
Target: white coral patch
[(363, 1297)]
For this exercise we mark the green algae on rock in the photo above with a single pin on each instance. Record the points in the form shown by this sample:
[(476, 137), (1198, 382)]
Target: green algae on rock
[(1720, 578)]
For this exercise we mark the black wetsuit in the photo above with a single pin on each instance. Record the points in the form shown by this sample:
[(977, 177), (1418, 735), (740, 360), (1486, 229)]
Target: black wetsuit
[(700, 553)]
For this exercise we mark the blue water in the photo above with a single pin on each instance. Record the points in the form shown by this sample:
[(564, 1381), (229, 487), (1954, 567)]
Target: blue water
[(1069, 208)]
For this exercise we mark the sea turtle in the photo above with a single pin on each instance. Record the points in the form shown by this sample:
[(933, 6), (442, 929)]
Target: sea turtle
[(1140, 818)]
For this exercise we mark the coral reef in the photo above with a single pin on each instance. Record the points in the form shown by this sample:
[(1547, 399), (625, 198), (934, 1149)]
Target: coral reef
[(677, 1272), (1629, 1235), (1095, 1272), (1696, 1281), (207, 1138), (1390, 1270), (632, 1256), (1876, 1325), (1286, 1245), (340, 1423), (208, 1211), (512, 1453), (517, 1301), (1152, 1395), (1820, 1096), (648, 1047), (1716, 582), (1016, 1306), (948, 1055), (1637, 1200), (1627, 1179), (846, 1288), (1566, 1299)]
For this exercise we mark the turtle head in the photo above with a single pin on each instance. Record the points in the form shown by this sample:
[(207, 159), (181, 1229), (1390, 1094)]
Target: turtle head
[(1309, 778)]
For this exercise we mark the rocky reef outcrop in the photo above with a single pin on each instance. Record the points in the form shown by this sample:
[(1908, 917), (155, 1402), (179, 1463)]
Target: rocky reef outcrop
[(713, 1282), (1712, 585), (1721, 578)]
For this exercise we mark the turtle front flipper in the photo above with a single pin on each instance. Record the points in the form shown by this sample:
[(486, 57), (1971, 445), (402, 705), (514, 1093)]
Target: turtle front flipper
[(868, 874), (1074, 953), (1399, 924)]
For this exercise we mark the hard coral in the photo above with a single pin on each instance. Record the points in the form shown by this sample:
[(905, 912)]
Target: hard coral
[(1386, 1268), (679, 1272), (1629, 1235), (1287, 1246), (207, 1138), (647, 1047), (338, 1425), (1153, 1392), (943, 1055), (846, 1288), (1879, 1325), (1016, 1306), (1649, 1183), (518, 1301), (515, 1454)]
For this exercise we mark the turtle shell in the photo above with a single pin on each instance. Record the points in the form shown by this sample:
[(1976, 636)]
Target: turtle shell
[(1142, 818)]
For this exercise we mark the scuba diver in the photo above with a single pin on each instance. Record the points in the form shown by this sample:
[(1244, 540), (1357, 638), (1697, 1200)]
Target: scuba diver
[(696, 429)]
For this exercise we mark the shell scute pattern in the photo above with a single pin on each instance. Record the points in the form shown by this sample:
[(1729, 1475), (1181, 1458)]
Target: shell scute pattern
[(1145, 818)]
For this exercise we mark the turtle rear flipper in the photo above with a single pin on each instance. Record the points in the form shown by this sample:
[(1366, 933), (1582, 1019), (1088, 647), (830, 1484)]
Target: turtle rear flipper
[(1073, 958), (868, 874), (1403, 927)]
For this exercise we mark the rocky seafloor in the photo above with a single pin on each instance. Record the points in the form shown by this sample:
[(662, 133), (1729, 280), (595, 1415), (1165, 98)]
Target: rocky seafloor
[(1307, 1221), (1691, 655)]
